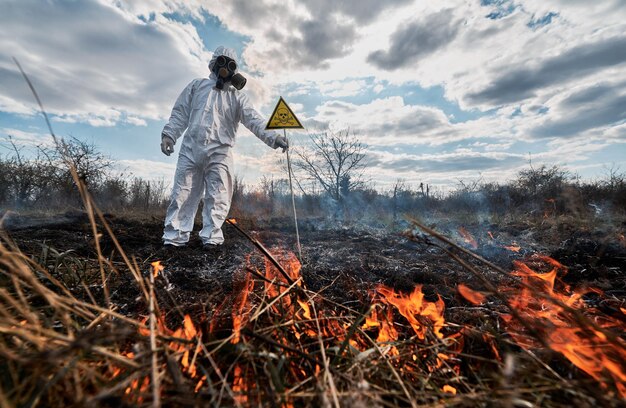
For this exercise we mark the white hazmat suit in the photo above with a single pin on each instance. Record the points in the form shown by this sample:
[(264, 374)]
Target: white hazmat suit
[(210, 117)]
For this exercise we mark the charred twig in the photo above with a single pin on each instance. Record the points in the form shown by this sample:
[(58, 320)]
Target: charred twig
[(262, 249), (263, 278), (276, 299)]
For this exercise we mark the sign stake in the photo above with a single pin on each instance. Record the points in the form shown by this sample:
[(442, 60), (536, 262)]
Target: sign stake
[(283, 118), (293, 201)]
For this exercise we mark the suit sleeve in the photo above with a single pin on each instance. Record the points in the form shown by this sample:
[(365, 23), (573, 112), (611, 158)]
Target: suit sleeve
[(179, 118), (252, 120)]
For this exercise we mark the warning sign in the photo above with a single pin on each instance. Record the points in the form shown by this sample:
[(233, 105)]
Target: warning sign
[(283, 117)]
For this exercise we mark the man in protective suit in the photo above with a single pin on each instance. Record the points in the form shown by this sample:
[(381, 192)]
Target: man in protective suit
[(209, 109)]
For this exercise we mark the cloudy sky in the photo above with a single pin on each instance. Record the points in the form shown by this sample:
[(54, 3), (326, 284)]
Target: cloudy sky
[(440, 91)]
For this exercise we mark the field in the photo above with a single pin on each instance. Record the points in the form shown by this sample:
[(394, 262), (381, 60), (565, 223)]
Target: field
[(528, 312)]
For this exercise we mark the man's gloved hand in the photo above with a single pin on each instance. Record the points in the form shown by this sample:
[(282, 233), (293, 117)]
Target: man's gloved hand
[(167, 145), (282, 142)]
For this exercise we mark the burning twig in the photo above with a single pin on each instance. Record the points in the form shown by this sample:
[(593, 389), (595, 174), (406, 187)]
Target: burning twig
[(262, 249), (156, 401)]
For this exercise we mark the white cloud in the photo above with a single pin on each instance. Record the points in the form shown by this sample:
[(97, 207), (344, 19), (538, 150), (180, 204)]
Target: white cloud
[(87, 60), (136, 121), (24, 139), (338, 89), (388, 121), (443, 169), (105, 118)]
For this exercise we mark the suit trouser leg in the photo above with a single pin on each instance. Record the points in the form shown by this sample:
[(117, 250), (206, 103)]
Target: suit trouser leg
[(217, 197), (186, 195)]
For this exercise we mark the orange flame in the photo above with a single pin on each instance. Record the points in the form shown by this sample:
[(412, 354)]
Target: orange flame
[(306, 311), (415, 308), (468, 238), (240, 311), (586, 348), (156, 268), (239, 385), (449, 389), (471, 295), (187, 332), (513, 248)]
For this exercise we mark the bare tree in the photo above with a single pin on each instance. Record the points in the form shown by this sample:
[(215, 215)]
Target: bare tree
[(335, 161), (90, 164)]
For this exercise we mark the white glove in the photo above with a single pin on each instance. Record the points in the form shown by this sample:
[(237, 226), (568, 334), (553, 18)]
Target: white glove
[(281, 141), (167, 145)]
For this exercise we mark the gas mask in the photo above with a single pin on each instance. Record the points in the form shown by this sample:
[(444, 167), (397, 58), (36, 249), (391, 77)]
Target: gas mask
[(224, 68)]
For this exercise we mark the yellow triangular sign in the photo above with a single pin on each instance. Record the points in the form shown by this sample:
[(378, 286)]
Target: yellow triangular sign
[(283, 117)]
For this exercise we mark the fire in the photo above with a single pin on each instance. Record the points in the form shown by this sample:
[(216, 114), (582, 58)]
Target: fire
[(308, 323), (468, 238), (241, 310), (585, 347), (239, 385), (416, 310), (471, 295), (513, 248), (138, 386), (449, 389), (306, 311), (187, 332), (156, 268)]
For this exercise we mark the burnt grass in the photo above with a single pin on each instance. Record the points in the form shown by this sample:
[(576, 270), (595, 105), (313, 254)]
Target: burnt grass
[(342, 262)]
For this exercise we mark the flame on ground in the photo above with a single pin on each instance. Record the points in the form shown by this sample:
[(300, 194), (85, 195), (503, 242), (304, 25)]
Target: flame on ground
[(408, 328), (513, 248), (422, 315), (182, 345), (156, 268), (449, 389), (471, 295), (468, 238), (587, 348), (298, 321)]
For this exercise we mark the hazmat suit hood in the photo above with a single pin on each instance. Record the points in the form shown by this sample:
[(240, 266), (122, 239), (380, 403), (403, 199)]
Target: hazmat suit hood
[(224, 72), (227, 52)]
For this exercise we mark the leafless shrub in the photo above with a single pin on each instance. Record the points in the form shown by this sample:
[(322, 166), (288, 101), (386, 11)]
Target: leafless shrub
[(335, 161)]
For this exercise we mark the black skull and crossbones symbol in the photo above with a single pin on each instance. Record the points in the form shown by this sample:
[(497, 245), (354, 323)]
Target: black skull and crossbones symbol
[(283, 116)]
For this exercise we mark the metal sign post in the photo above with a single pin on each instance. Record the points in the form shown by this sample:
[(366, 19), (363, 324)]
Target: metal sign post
[(293, 201), (283, 118)]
